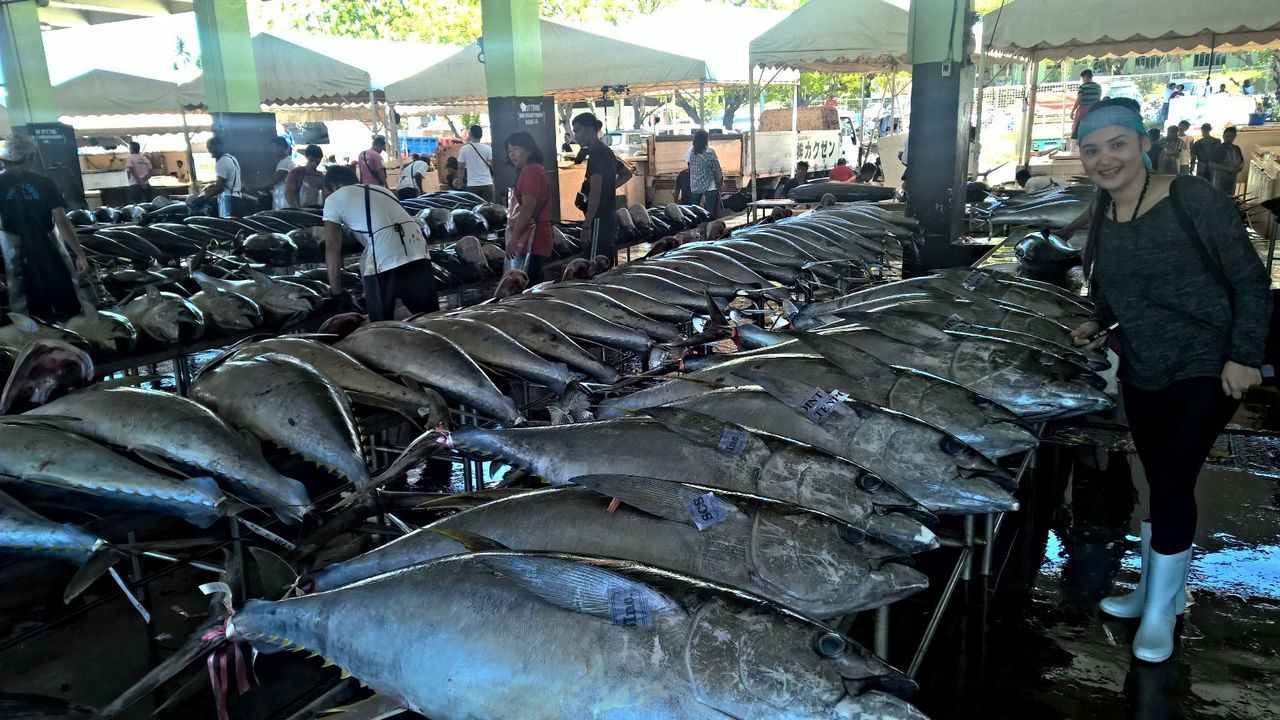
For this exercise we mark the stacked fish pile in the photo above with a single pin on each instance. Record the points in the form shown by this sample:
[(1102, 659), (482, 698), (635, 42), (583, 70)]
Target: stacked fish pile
[(1051, 208)]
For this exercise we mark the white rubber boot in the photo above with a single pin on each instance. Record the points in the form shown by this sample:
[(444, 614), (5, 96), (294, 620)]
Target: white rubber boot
[(1165, 575), (1129, 605)]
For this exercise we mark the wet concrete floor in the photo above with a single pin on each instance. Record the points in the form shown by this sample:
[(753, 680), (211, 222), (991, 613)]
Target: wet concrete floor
[(1028, 643)]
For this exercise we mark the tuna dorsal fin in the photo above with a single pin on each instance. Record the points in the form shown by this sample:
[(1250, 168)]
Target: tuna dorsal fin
[(668, 500), (378, 707), (692, 425), (585, 586), (99, 563), (473, 542)]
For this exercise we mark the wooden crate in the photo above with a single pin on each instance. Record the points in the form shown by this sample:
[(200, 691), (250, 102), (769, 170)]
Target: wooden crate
[(809, 118)]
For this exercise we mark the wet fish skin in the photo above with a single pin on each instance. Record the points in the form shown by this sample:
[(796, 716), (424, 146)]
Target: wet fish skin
[(701, 651), (288, 402), (182, 432), (431, 359), (165, 317), (423, 406), (23, 533), (796, 558), (228, 311), (608, 308), (107, 332), (281, 302), (579, 323), (774, 469), (543, 338), (491, 347), (48, 461)]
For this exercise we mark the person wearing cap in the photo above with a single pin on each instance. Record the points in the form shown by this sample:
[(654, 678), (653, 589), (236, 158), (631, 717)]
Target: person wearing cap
[(372, 170), (1170, 262), (227, 188), (41, 274)]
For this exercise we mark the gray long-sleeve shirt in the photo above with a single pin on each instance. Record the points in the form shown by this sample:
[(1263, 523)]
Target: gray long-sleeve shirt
[(1177, 319)]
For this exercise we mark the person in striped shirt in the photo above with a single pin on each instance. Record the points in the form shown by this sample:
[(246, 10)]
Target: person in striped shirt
[(1089, 93)]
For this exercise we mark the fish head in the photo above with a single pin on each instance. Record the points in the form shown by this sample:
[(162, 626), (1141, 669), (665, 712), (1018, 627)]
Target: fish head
[(779, 662), (823, 565), (237, 312), (174, 320), (106, 331)]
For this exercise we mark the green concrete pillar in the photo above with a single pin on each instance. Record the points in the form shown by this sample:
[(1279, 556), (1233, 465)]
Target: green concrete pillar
[(226, 56), (512, 48), (26, 75)]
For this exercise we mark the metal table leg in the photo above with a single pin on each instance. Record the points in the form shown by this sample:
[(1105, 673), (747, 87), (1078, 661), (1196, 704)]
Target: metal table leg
[(934, 620), (969, 545), (882, 632)]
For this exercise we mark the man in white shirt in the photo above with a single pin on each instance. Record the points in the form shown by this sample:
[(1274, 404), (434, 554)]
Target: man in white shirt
[(410, 185), (284, 163), (227, 187), (138, 167), (395, 264), (475, 163)]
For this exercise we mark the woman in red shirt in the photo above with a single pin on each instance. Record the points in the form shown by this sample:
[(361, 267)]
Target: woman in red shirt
[(529, 239)]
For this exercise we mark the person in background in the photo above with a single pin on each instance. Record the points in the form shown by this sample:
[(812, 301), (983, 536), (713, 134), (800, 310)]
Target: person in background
[(284, 165), (869, 173), (394, 265), (1246, 87), (1222, 89), (1226, 163), (33, 219), (597, 198), (410, 185), (529, 237), (1169, 90), (567, 145), (227, 186), (1033, 183), (1170, 151), (1180, 91), (138, 168), (1184, 152), (1189, 350), (1157, 149), (1089, 93), (475, 165), (451, 172), (841, 172), (181, 172), (1202, 151), (788, 184), (705, 177), (305, 184), (372, 170)]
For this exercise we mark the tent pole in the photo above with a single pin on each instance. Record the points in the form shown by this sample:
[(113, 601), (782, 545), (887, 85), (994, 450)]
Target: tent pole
[(1030, 121), (975, 153), (893, 96), (795, 126), (702, 104), (751, 95)]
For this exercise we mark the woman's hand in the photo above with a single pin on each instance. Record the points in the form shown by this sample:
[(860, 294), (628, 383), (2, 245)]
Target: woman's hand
[(1080, 336), (82, 265), (1237, 379)]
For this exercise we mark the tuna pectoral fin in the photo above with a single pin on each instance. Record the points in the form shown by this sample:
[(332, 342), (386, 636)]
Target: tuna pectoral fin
[(381, 403), (154, 458), (665, 499), (471, 541), (378, 707), (582, 585), (195, 648), (99, 563), (426, 445), (274, 575)]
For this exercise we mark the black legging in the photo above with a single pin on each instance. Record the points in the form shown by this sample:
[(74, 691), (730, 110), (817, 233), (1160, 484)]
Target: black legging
[(1173, 429)]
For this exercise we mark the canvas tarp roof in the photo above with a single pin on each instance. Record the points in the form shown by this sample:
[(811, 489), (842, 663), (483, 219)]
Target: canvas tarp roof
[(574, 63), (104, 92), (837, 36), (290, 74), (1056, 30)]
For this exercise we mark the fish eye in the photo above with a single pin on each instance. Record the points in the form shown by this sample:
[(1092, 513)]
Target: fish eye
[(829, 644), (869, 482), (953, 446), (855, 536)]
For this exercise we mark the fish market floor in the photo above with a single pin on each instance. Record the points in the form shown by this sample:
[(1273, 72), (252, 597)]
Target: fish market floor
[(1035, 645)]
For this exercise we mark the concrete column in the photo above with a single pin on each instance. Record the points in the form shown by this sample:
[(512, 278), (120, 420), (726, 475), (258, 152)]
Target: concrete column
[(937, 148), (513, 75), (226, 55), (26, 74)]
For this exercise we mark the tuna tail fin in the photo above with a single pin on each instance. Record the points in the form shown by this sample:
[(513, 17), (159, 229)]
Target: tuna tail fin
[(99, 563), (204, 516), (471, 541), (425, 446)]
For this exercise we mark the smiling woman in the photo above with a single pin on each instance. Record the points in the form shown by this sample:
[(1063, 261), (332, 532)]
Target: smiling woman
[(1170, 261)]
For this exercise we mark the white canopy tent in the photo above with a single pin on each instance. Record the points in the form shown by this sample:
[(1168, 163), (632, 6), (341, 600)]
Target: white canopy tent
[(575, 64), (105, 92), (290, 74), (1048, 30)]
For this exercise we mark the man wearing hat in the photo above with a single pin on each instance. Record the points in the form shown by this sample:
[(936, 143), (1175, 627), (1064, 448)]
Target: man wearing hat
[(39, 270)]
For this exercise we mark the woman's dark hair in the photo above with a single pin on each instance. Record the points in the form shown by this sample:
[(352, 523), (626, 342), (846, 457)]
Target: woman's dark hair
[(340, 176), (700, 140), (524, 140), (451, 163), (313, 151), (587, 120)]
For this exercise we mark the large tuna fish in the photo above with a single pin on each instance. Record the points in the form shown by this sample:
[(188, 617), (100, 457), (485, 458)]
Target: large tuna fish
[(46, 461), (283, 400), (281, 302), (935, 469), (984, 425), (164, 317), (596, 639), (431, 359), (227, 311), (107, 332), (362, 385), (180, 432), (810, 563), (689, 447), (543, 338), (499, 351), (579, 323), (607, 307), (26, 534)]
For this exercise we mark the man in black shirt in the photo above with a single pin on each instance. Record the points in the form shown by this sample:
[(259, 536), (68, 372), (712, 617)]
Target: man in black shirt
[(605, 174), (789, 184), (40, 272)]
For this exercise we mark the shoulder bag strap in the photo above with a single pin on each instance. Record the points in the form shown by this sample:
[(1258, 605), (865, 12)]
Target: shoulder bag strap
[(368, 219), (476, 150)]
